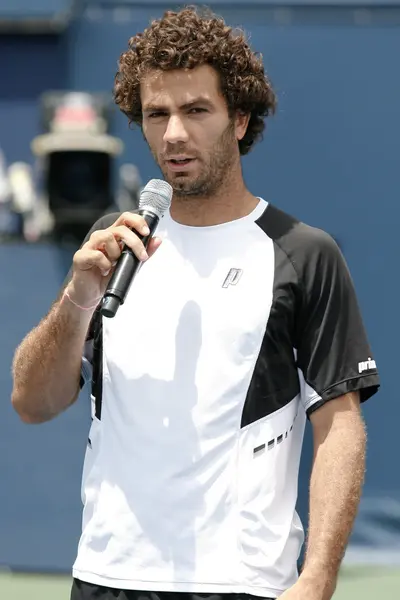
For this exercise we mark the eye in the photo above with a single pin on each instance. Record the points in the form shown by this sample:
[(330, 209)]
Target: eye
[(156, 114), (197, 110)]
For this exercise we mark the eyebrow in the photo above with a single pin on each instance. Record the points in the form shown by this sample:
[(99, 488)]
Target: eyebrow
[(159, 107)]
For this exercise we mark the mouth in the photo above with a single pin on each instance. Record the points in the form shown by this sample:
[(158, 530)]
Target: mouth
[(179, 164)]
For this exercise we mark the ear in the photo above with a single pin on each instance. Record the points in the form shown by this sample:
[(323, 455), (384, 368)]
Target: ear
[(241, 123)]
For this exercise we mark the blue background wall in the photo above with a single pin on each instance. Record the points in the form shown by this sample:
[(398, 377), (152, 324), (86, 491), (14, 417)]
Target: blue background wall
[(331, 157)]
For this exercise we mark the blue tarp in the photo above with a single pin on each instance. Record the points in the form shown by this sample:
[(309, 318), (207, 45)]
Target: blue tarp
[(27, 9)]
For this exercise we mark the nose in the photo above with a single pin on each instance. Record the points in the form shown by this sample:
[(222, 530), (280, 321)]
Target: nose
[(176, 131)]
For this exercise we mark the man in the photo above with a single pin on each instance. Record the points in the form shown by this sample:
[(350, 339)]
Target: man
[(242, 324)]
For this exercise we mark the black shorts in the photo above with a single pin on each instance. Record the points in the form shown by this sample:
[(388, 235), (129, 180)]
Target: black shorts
[(88, 591)]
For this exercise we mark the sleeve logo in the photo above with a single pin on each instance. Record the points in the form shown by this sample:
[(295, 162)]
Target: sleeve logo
[(366, 365)]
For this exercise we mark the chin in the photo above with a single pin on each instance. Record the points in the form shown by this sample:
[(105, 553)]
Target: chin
[(192, 191), (183, 184)]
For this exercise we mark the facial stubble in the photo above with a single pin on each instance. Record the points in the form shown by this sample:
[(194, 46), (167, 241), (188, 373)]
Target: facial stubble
[(216, 167)]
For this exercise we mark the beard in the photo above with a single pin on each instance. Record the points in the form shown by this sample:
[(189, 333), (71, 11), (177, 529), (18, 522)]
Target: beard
[(214, 168)]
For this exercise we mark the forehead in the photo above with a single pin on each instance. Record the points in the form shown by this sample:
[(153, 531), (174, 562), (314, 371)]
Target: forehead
[(180, 86)]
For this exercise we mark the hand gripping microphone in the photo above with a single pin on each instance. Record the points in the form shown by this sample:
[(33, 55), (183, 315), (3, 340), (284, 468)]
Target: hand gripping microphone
[(155, 199)]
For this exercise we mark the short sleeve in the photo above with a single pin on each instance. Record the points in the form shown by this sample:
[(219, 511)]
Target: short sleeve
[(333, 353)]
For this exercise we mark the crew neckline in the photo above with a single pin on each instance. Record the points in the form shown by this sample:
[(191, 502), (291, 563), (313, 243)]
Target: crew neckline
[(252, 216)]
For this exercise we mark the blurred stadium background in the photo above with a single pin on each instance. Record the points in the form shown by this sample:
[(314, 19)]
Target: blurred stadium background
[(331, 157)]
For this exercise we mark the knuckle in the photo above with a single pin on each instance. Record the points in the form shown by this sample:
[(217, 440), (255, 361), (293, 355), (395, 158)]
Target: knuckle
[(108, 237), (102, 236), (128, 217), (84, 247), (96, 235), (132, 219), (79, 254)]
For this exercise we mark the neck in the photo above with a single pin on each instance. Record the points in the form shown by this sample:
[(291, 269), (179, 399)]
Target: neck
[(229, 203)]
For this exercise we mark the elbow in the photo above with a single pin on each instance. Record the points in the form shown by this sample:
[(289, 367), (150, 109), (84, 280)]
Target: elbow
[(25, 412), (31, 419), (35, 410)]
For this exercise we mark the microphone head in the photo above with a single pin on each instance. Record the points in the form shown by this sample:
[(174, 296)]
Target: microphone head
[(156, 196)]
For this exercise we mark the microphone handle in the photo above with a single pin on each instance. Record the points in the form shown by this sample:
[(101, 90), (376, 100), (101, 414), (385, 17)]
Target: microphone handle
[(127, 266)]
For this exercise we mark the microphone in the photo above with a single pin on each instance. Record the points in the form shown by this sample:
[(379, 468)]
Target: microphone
[(155, 199)]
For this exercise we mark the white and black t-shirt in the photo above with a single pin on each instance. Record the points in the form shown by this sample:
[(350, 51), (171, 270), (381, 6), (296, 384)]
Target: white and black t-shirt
[(230, 335)]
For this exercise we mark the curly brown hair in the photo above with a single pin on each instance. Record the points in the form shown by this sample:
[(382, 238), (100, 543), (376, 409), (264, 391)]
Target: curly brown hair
[(187, 39)]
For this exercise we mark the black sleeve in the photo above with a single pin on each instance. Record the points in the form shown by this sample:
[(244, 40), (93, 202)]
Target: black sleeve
[(333, 352)]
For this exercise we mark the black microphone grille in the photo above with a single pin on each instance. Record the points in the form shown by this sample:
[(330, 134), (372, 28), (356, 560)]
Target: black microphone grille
[(156, 196)]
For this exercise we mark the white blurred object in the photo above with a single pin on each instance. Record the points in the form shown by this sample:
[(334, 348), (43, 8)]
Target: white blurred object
[(4, 184), (22, 187), (129, 187), (8, 221), (25, 202)]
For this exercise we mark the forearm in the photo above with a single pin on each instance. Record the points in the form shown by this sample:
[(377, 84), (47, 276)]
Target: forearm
[(46, 366), (335, 490)]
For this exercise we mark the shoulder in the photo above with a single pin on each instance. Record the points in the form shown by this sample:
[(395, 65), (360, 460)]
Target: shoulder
[(303, 244)]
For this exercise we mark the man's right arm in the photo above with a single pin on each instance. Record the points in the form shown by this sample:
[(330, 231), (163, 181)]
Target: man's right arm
[(47, 364)]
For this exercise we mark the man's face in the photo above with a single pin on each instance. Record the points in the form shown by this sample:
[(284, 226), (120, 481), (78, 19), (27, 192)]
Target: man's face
[(188, 128)]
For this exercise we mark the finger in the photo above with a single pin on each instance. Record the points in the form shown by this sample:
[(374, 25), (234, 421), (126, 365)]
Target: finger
[(130, 239), (133, 221), (86, 259), (153, 245), (105, 241)]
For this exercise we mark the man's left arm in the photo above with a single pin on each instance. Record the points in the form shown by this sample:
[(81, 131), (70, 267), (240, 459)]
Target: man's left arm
[(335, 489), (338, 373)]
